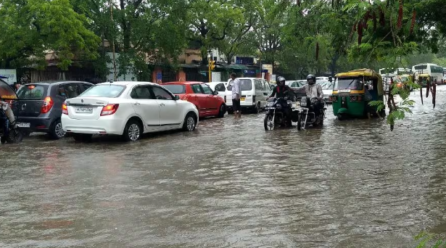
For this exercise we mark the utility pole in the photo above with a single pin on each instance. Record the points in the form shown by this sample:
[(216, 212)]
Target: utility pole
[(113, 42)]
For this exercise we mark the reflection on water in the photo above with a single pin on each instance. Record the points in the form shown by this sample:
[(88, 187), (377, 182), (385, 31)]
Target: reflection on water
[(231, 184)]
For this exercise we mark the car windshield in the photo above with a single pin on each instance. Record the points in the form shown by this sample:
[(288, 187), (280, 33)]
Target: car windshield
[(32, 92), (104, 90), (245, 84), (175, 88), (326, 85), (348, 84), (6, 92)]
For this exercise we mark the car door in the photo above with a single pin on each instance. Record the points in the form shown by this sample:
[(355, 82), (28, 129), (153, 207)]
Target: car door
[(170, 110), (146, 107), (221, 89), (201, 99), (212, 101)]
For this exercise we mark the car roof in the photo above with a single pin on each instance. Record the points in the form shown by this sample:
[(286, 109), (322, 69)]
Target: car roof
[(56, 82), (125, 83), (185, 82)]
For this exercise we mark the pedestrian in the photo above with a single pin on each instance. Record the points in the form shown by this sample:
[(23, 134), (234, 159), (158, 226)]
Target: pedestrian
[(236, 94), (17, 86)]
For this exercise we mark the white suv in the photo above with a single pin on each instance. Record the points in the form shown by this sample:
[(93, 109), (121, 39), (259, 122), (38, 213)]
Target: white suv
[(128, 109)]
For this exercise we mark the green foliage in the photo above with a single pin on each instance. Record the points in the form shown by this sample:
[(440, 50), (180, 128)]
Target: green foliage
[(34, 27), (425, 238)]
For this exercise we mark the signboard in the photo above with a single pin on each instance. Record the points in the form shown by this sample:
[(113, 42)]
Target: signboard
[(268, 67), (10, 74)]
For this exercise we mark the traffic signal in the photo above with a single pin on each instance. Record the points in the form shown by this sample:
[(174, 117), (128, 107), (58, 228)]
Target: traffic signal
[(212, 65)]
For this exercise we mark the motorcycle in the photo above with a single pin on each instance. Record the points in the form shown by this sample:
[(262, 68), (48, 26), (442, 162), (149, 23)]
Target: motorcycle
[(276, 113), (9, 131), (307, 115)]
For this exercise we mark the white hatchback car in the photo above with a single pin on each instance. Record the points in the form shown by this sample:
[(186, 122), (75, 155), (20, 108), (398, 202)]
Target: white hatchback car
[(128, 109)]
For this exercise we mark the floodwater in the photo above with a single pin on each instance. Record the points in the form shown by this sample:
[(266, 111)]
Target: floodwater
[(231, 184)]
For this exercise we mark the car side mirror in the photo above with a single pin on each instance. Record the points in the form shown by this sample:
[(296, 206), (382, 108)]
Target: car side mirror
[(177, 97)]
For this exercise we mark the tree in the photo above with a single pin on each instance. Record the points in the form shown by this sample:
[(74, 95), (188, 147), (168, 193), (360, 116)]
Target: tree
[(210, 22), (34, 27)]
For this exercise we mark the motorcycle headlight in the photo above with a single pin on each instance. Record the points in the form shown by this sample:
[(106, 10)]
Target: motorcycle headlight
[(4, 106), (303, 102)]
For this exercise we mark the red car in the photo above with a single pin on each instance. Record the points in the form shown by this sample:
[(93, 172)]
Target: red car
[(207, 101)]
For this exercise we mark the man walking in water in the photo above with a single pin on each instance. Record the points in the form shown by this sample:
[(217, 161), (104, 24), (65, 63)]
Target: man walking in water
[(236, 94)]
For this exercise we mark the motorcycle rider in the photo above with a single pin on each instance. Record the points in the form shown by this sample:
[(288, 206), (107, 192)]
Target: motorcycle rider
[(313, 90), (283, 91)]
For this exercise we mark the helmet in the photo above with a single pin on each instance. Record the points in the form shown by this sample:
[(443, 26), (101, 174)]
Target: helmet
[(309, 77), (280, 79)]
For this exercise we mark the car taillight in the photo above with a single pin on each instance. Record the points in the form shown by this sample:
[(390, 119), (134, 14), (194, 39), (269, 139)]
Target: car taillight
[(47, 105), (109, 109), (64, 109)]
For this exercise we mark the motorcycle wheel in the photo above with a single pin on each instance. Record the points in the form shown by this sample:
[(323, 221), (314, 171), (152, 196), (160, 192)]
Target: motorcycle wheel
[(268, 123), (299, 122), (15, 136)]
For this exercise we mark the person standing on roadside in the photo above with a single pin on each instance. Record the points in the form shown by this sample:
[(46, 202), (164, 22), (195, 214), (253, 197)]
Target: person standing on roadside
[(236, 94)]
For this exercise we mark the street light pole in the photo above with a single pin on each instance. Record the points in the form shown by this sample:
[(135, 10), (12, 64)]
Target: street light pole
[(209, 65)]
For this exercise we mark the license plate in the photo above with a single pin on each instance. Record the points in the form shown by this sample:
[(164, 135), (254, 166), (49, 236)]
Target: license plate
[(84, 110), (24, 125), (242, 99)]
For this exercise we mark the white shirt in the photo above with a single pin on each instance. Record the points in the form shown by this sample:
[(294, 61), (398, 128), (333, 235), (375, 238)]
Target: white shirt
[(236, 89), (314, 90)]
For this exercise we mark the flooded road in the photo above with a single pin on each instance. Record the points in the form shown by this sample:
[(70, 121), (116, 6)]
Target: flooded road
[(231, 184)]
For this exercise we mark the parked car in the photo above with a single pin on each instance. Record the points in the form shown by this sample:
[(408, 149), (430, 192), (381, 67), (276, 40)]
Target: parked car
[(207, 101), (220, 88), (255, 92), (40, 105), (296, 85), (128, 109)]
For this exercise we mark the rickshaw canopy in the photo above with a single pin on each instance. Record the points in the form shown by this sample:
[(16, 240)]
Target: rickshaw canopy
[(364, 73), (6, 91)]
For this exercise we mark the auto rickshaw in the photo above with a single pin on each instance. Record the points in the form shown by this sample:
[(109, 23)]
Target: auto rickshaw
[(423, 79), (354, 90), (9, 130)]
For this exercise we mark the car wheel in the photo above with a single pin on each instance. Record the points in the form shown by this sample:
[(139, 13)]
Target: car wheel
[(257, 108), (82, 137), (132, 131), (190, 122), (56, 130), (222, 111)]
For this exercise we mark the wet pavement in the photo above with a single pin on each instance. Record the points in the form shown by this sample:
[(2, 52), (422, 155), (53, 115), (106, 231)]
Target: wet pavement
[(231, 184)]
